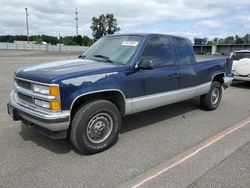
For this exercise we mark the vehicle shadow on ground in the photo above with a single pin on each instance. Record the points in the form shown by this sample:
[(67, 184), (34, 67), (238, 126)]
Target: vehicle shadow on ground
[(130, 123), (241, 84), (56, 146), (153, 116)]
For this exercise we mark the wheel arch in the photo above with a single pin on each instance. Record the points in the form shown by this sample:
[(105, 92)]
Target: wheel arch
[(113, 95), (219, 77)]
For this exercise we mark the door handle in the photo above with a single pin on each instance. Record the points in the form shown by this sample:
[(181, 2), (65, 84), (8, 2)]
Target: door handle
[(175, 74)]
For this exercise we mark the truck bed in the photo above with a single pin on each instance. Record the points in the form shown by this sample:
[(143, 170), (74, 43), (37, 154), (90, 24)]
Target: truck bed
[(200, 58)]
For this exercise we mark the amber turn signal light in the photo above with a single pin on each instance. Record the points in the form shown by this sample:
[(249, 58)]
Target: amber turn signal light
[(54, 91), (55, 105)]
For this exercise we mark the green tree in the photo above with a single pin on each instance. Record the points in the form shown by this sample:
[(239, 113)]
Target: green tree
[(210, 42), (68, 40), (229, 40), (238, 40), (38, 39), (111, 24), (104, 25), (86, 41), (7, 38), (246, 39), (215, 40), (50, 39), (221, 41), (205, 40), (78, 40)]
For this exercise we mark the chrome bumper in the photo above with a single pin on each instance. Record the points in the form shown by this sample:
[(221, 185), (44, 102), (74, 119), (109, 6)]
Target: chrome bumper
[(227, 81), (53, 121), (242, 78)]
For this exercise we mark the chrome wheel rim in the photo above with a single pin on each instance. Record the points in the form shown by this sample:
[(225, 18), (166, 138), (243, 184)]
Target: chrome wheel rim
[(215, 96), (99, 128)]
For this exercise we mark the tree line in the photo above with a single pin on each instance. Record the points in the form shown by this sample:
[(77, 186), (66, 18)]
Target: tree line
[(86, 41), (67, 40), (229, 40)]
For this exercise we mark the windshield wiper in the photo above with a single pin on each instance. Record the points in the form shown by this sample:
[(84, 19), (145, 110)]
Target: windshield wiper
[(82, 56), (106, 58)]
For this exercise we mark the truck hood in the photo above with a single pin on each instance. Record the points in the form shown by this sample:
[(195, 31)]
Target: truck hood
[(55, 71)]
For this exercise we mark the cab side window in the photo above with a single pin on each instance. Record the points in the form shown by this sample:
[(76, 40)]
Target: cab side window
[(159, 50), (183, 51)]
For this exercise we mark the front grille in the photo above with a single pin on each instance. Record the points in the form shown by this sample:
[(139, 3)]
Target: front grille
[(23, 84), (25, 95), (25, 98)]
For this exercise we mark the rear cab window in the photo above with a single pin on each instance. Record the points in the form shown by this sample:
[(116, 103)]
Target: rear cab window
[(159, 50), (184, 51)]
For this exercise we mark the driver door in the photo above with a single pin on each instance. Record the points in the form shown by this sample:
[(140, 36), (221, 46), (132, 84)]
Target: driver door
[(161, 82)]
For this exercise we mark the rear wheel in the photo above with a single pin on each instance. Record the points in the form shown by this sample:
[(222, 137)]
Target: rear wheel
[(211, 100), (95, 126)]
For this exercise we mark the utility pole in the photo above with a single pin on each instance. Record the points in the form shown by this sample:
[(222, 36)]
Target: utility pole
[(60, 49), (27, 24), (76, 12)]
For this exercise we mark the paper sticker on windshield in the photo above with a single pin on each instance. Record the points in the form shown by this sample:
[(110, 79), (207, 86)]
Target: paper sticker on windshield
[(129, 43)]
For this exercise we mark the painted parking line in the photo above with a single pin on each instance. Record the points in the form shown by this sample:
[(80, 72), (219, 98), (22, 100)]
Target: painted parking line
[(188, 154)]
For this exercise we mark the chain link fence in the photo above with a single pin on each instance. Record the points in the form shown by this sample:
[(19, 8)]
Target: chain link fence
[(40, 47)]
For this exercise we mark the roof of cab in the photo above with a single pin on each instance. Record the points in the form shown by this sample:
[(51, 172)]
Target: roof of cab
[(146, 35)]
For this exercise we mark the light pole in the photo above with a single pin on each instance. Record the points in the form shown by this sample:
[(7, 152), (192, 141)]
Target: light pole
[(60, 49), (27, 24), (76, 12)]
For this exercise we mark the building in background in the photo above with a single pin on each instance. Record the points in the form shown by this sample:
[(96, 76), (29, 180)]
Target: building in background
[(218, 49), (199, 41)]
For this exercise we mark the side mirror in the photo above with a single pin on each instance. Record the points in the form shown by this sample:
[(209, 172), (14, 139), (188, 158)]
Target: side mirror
[(146, 63)]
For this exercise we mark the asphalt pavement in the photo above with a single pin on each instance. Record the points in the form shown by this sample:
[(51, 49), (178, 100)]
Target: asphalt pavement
[(147, 140)]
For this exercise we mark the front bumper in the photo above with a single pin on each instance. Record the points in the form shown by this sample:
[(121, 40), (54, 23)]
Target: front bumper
[(52, 121)]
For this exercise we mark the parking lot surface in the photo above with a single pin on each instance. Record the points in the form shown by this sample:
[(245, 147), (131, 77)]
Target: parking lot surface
[(148, 141)]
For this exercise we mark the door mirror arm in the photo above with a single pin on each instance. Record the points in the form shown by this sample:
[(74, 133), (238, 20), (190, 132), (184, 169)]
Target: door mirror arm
[(145, 63)]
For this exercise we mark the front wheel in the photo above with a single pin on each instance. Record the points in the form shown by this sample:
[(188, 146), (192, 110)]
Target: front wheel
[(95, 126), (211, 100)]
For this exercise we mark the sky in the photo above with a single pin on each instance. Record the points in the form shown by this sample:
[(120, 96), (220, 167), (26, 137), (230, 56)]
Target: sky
[(189, 18)]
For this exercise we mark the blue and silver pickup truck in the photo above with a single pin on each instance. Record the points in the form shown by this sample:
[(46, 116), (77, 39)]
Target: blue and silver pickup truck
[(85, 98)]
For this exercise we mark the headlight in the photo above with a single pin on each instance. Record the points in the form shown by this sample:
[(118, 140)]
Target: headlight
[(42, 103), (46, 90), (52, 105), (41, 89), (52, 90)]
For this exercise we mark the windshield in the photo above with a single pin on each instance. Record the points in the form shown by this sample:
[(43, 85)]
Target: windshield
[(113, 49), (240, 55)]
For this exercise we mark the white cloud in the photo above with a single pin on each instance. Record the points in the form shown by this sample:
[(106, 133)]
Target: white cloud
[(210, 23), (54, 16)]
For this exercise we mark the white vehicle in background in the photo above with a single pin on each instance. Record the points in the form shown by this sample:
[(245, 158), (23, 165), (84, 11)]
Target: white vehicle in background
[(241, 65)]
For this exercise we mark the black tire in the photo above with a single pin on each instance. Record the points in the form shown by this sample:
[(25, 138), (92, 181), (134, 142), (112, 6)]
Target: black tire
[(94, 118), (211, 101)]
